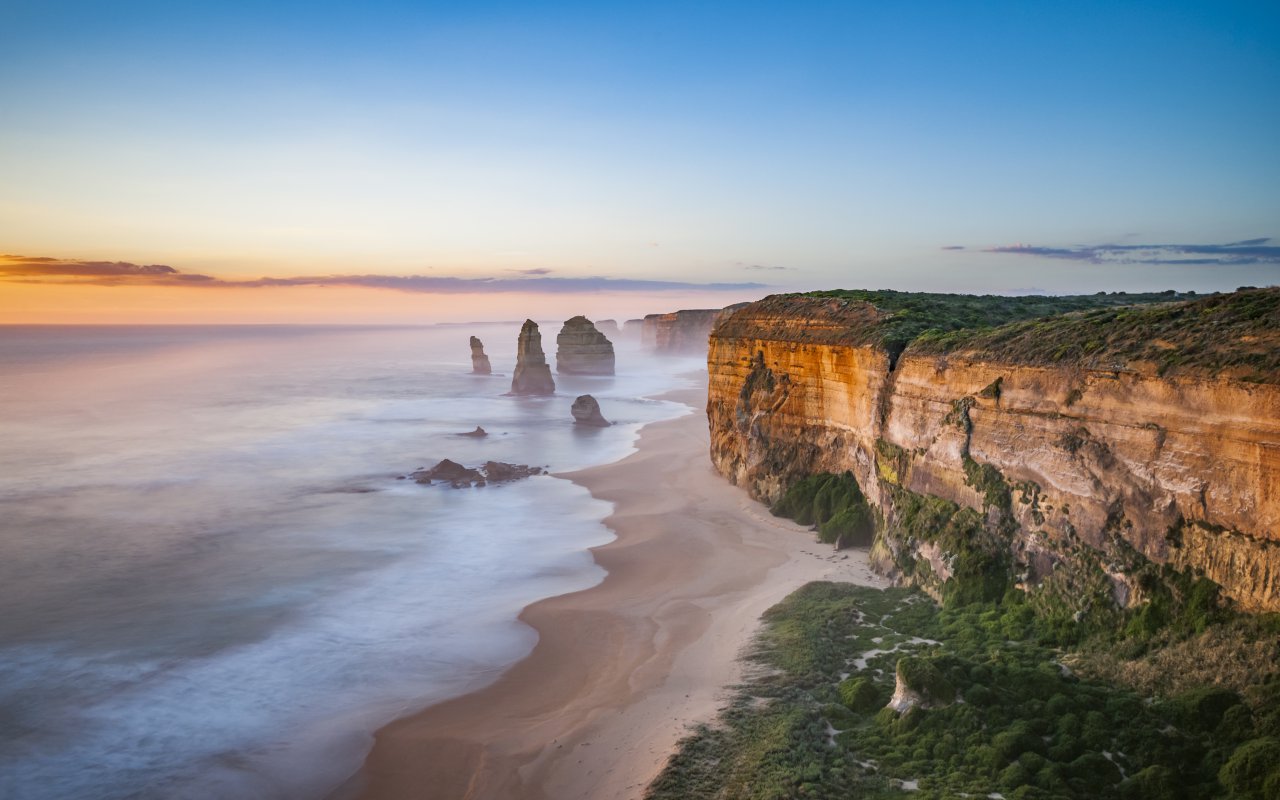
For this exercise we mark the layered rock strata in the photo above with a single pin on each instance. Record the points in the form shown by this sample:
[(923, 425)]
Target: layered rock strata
[(679, 331), (479, 361), (532, 375), (581, 349), (1184, 468)]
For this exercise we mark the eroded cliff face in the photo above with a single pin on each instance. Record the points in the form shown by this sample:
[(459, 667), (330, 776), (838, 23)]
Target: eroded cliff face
[(1092, 463), (681, 331)]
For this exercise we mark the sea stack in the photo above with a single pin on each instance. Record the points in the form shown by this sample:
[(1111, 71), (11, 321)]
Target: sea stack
[(583, 350), (609, 327), (532, 375), (586, 411), (479, 361)]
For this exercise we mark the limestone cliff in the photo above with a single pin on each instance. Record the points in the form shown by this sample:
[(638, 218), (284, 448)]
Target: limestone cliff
[(609, 327), (1091, 437), (583, 350), (680, 331), (532, 375), (479, 361)]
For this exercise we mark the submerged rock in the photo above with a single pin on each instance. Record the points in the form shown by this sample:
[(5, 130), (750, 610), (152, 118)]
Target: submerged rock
[(586, 411), (581, 349), (479, 361), (460, 477), (532, 375)]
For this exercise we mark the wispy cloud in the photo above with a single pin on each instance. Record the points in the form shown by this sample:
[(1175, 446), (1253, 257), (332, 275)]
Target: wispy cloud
[(44, 270), (761, 267), (1248, 251)]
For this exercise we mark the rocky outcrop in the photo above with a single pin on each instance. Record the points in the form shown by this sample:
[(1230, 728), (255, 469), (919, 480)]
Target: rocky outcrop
[(679, 331), (919, 684), (609, 327), (1180, 468), (532, 375), (478, 433), (460, 477), (583, 350), (479, 361), (586, 411), (633, 328)]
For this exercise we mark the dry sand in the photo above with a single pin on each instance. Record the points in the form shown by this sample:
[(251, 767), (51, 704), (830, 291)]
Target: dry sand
[(620, 670)]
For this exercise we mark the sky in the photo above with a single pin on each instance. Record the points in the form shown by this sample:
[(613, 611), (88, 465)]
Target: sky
[(419, 162)]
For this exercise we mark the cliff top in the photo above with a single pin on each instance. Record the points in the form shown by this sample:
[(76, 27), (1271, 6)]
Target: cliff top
[(894, 319), (1234, 335)]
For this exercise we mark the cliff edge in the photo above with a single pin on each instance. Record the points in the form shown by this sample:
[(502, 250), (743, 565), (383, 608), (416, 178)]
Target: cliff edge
[(1087, 448)]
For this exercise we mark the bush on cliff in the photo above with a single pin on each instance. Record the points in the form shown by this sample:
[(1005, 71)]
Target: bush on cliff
[(834, 503)]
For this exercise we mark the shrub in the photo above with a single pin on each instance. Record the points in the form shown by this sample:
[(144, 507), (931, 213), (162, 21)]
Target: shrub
[(1252, 767), (861, 695)]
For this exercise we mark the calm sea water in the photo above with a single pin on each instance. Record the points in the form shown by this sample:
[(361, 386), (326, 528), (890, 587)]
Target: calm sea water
[(213, 584)]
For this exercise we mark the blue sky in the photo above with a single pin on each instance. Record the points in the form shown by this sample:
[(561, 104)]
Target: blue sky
[(836, 144)]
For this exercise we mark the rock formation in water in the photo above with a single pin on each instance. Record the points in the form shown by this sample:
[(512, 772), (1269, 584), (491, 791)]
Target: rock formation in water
[(633, 329), (586, 411), (583, 350), (460, 477), (609, 327), (532, 375), (1084, 446), (479, 361), (478, 433)]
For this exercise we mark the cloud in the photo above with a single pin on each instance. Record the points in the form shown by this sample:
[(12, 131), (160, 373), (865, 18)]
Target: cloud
[(953, 247), (43, 266), (761, 267), (1248, 251), (44, 270), (534, 271)]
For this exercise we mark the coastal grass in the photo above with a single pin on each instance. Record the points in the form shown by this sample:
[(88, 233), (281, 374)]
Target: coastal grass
[(810, 720), (1237, 334), (908, 315)]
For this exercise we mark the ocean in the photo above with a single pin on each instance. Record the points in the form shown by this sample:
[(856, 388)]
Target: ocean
[(214, 582)]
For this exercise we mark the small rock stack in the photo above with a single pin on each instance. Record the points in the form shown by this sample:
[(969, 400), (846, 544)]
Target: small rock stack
[(586, 411), (532, 375)]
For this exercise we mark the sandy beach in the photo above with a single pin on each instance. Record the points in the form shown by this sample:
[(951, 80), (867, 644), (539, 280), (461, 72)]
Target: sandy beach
[(620, 670)]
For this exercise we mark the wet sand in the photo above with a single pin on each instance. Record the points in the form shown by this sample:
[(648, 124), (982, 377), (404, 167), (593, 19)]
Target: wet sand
[(620, 670)]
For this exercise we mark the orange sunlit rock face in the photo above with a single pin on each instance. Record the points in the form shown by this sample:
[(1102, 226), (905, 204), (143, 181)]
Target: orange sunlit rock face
[(1122, 452)]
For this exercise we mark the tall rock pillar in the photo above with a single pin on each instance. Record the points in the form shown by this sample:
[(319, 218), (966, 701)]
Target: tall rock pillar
[(532, 375), (479, 361)]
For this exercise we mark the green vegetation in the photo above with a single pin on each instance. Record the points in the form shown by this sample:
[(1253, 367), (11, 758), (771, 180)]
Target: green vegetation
[(1237, 333), (811, 722), (835, 504), (912, 314)]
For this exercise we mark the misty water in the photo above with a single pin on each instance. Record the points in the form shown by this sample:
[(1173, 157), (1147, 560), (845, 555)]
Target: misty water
[(214, 584)]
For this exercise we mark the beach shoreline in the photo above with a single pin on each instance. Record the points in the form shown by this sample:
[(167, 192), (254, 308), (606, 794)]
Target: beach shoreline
[(621, 670)]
